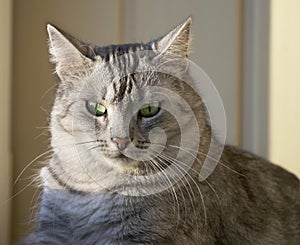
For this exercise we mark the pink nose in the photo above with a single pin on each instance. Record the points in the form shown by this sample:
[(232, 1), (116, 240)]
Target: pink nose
[(120, 142)]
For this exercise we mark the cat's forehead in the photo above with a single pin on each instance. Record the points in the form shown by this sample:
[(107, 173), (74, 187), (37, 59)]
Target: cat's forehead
[(119, 78), (112, 52), (115, 89), (125, 71), (121, 89)]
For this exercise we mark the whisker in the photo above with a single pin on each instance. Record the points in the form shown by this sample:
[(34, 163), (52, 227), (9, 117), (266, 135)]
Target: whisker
[(190, 187), (29, 164), (48, 90), (163, 157), (76, 143), (44, 154), (176, 161), (24, 188), (174, 194), (220, 161)]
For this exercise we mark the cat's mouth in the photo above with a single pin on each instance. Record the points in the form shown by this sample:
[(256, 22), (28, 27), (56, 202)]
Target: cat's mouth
[(124, 154), (117, 155), (132, 166)]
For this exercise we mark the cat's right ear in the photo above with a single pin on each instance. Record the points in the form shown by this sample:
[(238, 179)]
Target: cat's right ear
[(177, 41), (67, 58)]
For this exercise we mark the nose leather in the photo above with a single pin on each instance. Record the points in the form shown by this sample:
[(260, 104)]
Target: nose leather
[(120, 142)]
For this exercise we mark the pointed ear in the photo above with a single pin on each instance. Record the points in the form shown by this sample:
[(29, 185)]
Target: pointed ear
[(177, 40), (67, 57)]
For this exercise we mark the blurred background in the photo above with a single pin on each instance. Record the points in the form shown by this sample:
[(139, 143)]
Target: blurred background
[(249, 48)]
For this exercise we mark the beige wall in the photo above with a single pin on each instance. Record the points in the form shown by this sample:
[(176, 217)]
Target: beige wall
[(5, 151), (284, 91)]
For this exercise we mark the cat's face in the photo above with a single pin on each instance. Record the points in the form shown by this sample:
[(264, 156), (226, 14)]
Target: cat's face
[(118, 112)]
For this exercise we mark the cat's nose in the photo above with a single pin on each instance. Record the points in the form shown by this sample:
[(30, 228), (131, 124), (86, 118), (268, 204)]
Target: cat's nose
[(121, 142)]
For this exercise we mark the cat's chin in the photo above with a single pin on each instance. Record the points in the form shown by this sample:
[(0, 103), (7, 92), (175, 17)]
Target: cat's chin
[(117, 156), (113, 154), (127, 165), (122, 161)]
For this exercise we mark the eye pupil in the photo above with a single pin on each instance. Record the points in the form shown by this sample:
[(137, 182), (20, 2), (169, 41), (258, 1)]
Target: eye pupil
[(96, 109), (149, 110)]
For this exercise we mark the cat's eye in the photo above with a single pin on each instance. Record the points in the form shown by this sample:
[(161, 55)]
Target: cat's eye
[(96, 109), (149, 110)]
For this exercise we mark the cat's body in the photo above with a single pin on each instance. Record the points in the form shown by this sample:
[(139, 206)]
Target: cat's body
[(246, 200), (258, 206)]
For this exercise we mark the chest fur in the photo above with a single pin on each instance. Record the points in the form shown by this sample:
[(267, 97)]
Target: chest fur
[(108, 218)]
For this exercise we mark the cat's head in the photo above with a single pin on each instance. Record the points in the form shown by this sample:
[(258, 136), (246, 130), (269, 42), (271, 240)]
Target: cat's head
[(120, 108)]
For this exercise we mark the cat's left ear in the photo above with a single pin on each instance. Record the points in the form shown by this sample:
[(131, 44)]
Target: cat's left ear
[(177, 40), (68, 53)]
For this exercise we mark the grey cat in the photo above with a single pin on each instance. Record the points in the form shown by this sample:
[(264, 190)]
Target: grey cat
[(245, 200)]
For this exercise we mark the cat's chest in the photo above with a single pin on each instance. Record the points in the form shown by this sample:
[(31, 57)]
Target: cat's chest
[(92, 218)]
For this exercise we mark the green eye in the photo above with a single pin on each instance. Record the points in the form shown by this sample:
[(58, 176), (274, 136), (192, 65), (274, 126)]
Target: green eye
[(149, 110), (96, 109)]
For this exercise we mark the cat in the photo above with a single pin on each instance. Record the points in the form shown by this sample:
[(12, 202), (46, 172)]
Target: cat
[(97, 117)]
